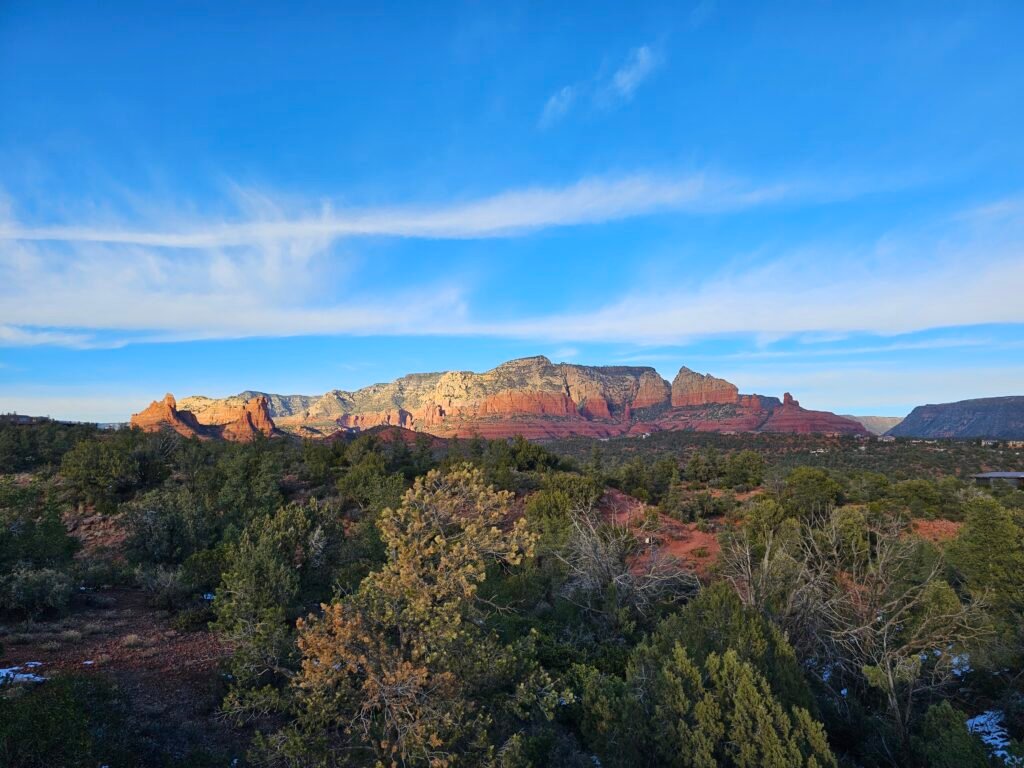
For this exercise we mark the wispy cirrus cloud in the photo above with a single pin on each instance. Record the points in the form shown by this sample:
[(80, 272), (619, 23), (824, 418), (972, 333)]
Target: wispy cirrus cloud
[(558, 105), (589, 201), (271, 271), (603, 90), (785, 298), (82, 284), (14, 336), (640, 64)]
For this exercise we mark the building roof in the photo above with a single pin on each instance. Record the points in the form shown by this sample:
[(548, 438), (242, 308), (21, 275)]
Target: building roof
[(1000, 476)]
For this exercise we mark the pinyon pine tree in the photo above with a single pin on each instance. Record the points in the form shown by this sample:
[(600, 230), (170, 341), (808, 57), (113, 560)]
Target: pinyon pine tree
[(399, 670)]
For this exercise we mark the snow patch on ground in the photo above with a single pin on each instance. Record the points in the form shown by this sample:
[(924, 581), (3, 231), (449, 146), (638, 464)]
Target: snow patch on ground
[(989, 726), (19, 674)]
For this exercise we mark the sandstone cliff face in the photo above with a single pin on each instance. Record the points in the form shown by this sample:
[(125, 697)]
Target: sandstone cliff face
[(164, 414), (691, 388), (531, 396), (253, 420), (236, 421)]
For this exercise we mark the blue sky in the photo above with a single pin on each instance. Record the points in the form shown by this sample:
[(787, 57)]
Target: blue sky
[(819, 197)]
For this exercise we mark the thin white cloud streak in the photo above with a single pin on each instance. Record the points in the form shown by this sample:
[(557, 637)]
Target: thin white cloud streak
[(84, 294), (12, 336), (640, 64), (507, 214), (276, 276), (603, 91), (831, 351), (898, 295), (558, 106)]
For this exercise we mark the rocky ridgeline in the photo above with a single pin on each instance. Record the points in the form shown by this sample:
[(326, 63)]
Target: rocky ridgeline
[(997, 418), (532, 397)]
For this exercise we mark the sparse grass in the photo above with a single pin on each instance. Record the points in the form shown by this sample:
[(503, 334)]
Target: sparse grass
[(101, 601), (701, 552), (95, 628), (71, 635), (50, 646), (133, 641)]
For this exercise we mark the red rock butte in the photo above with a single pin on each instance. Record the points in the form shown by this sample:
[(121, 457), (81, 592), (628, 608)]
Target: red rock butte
[(240, 424), (532, 397)]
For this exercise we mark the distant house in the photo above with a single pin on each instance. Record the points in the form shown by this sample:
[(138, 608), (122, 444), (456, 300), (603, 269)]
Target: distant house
[(886, 439), (1018, 444), (19, 418), (1015, 479)]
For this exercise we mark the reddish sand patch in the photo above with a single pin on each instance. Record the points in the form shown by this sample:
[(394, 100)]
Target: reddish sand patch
[(936, 531), (695, 547), (662, 536), (99, 535)]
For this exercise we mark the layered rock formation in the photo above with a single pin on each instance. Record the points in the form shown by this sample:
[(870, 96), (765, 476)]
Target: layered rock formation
[(996, 418), (532, 397), (691, 388), (231, 419), (254, 419), (164, 414), (791, 418)]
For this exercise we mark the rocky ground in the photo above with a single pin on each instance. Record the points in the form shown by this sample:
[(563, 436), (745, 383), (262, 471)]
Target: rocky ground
[(170, 676)]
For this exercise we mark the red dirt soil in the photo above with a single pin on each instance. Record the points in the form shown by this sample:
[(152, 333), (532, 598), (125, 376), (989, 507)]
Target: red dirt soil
[(936, 531), (695, 549), (169, 676)]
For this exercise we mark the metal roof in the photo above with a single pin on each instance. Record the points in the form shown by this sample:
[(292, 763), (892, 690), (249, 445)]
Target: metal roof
[(1000, 476)]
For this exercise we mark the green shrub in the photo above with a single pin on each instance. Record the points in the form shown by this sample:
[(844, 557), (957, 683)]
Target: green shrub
[(69, 722), (34, 592), (167, 588), (202, 570), (101, 573), (31, 529), (945, 742), (193, 618)]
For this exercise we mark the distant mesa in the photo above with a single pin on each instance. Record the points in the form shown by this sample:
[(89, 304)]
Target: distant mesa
[(995, 418), (241, 423), (532, 397)]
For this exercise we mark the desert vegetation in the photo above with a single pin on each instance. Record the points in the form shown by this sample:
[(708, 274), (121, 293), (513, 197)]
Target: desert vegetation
[(393, 599)]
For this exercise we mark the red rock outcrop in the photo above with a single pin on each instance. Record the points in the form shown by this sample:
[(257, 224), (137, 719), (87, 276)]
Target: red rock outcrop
[(595, 407), (692, 388), (251, 419), (791, 418), (164, 414), (652, 390), (532, 397), (362, 421), (519, 403), (254, 420)]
